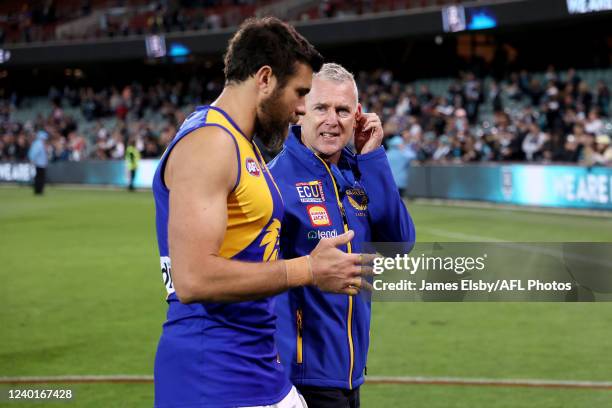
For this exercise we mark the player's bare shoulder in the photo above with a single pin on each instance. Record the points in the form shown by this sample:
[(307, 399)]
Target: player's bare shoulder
[(206, 154)]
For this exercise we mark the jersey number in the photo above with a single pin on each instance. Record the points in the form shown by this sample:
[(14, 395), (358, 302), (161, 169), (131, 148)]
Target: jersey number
[(166, 268)]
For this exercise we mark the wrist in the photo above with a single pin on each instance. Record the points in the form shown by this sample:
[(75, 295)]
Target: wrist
[(298, 272)]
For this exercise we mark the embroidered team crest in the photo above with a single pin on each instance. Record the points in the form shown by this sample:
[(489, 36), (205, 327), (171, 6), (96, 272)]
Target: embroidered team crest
[(252, 167), (310, 191), (319, 217), (358, 199)]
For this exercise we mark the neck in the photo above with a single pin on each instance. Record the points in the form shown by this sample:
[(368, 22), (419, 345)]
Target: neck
[(333, 159), (238, 101)]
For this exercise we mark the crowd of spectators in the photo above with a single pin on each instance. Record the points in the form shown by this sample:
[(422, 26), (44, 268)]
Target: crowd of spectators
[(521, 119), (100, 123), (559, 119)]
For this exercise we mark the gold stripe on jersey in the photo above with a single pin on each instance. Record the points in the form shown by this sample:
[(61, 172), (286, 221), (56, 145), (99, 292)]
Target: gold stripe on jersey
[(250, 205)]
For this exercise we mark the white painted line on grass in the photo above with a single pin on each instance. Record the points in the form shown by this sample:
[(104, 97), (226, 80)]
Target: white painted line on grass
[(527, 247), (469, 204), (401, 380), (494, 382), (118, 378)]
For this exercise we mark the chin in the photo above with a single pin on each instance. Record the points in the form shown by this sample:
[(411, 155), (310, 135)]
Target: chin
[(329, 151)]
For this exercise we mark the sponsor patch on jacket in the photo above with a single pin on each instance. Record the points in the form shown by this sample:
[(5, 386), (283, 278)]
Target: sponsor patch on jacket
[(358, 200), (252, 167), (319, 217), (310, 191), (319, 235)]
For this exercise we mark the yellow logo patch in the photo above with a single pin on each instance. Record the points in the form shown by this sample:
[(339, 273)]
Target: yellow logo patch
[(318, 215), (270, 241)]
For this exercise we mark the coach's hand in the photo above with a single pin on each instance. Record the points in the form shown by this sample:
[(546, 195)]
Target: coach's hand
[(338, 272), (369, 133)]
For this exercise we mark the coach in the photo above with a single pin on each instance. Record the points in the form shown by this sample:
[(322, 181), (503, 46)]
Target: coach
[(323, 338)]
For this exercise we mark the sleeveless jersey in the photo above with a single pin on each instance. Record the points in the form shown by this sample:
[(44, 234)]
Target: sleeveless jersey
[(223, 354)]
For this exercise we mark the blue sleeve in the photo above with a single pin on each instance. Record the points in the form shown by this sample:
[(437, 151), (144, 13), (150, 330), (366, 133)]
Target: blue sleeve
[(32, 152), (389, 218)]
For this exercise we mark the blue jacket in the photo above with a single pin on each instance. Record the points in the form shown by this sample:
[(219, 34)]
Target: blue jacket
[(38, 152), (323, 338)]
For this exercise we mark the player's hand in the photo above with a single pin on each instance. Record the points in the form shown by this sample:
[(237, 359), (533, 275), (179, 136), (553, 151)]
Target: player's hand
[(369, 133), (338, 272)]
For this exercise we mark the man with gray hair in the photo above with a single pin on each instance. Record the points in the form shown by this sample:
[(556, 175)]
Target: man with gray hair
[(328, 190)]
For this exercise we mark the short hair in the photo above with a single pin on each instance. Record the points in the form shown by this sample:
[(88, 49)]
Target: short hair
[(267, 41), (331, 71)]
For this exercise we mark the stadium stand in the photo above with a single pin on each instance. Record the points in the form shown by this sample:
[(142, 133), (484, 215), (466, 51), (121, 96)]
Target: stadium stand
[(536, 117)]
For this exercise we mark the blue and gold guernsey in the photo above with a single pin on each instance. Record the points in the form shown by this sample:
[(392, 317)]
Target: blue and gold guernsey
[(223, 354)]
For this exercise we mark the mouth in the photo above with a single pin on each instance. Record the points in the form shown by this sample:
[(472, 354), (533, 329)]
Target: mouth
[(329, 135)]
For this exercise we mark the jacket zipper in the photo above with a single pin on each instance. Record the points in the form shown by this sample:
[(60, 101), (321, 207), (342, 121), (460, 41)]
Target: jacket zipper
[(349, 323), (300, 332)]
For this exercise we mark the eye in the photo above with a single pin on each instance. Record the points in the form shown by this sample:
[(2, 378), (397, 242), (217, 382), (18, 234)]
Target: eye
[(344, 113), (319, 108)]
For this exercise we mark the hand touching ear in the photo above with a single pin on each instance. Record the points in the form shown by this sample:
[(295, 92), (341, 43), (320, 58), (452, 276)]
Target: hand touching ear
[(368, 132)]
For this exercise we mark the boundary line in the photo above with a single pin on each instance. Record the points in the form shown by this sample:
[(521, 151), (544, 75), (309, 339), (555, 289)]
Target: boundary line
[(490, 205), (399, 380)]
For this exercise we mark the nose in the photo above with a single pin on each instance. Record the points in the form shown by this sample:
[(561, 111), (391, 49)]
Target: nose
[(331, 118), (300, 108)]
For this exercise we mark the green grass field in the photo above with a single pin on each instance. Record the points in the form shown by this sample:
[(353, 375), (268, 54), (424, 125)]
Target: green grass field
[(83, 295)]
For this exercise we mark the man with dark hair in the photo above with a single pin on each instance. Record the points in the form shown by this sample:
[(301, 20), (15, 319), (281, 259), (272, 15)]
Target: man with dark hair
[(219, 215)]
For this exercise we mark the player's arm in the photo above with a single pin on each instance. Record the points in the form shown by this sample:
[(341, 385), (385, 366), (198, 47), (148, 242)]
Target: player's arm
[(200, 173)]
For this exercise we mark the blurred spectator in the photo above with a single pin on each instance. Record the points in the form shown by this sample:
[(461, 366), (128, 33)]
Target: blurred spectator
[(151, 148), (570, 151), (77, 145), (116, 146), (495, 96), (588, 154), (603, 97), (38, 156), (603, 151), (400, 154), (593, 123), (533, 143), (59, 150)]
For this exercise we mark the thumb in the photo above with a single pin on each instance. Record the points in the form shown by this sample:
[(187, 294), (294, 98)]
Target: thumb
[(342, 239)]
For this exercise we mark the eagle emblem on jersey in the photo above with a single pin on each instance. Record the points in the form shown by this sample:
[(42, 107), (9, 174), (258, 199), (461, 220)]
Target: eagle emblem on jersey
[(358, 198), (271, 240)]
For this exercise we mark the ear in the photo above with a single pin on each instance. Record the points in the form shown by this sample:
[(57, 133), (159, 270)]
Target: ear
[(358, 113), (265, 80)]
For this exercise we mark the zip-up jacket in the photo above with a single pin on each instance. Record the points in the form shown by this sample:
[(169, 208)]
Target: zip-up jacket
[(323, 338)]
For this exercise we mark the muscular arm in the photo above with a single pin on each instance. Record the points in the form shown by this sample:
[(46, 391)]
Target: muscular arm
[(200, 173)]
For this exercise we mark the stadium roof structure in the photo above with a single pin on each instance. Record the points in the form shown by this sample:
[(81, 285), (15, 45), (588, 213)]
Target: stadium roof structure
[(325, 32)]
